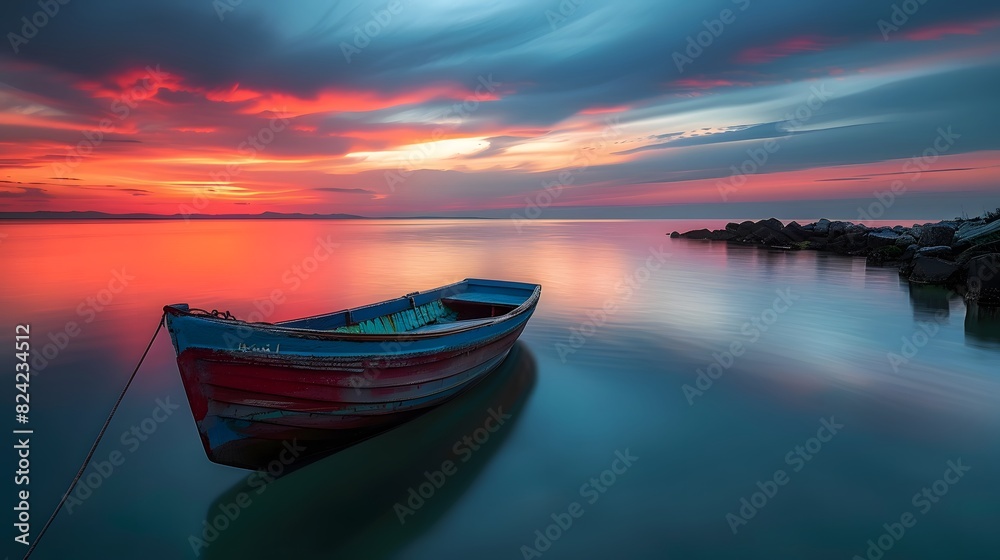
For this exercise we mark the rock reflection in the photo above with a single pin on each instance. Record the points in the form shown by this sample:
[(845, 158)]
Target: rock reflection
[(982, 326), (930, 301)]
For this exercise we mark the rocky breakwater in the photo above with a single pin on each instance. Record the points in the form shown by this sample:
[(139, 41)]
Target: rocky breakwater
[(963, 254)]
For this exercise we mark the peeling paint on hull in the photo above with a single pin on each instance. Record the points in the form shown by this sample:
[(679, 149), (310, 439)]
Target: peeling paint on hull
[(329, 390)]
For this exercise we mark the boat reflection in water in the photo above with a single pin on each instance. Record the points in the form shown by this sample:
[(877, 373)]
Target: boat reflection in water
[(345, 505)]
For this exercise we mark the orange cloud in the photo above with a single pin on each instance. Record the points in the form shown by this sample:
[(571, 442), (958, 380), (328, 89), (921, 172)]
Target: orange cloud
[(601, 110), (134, 84), (788, 47), (340, 101)]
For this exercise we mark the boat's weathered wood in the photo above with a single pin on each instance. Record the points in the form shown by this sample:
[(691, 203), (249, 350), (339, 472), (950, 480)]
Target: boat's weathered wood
[(328, 378), (406, 320)]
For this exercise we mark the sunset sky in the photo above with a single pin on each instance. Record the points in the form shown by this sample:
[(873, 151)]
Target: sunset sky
[(432, 107)]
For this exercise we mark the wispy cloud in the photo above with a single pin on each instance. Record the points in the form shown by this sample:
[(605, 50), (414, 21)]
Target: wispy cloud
[(481, 104)]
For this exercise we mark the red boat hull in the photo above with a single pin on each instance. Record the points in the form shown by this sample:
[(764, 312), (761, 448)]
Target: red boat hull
[(250, 406)]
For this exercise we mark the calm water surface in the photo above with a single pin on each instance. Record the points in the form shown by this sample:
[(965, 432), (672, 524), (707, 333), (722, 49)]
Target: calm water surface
[(615, 363)]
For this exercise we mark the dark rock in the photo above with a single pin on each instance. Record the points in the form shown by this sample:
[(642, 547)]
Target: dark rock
[(746, 228), (848, 244), (983, 279), (857, 243), (905, 240), (977, 251), (722, 235), (771, 237), (818, 244), (822, 227), (838, 245), (719, 235), (838, 228), (959, 246), (884, 255), (697, 234), (906, 265), (941, 252), (674, 235), (882, 239), (773, 224), (795, 232), (978, 232), (935, 235), (932, 270), (732, 226)]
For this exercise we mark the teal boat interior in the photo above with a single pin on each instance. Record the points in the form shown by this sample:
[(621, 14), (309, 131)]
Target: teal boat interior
[(467, 303)]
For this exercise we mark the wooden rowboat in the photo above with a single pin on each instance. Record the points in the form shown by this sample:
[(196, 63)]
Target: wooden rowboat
[(258, 391)]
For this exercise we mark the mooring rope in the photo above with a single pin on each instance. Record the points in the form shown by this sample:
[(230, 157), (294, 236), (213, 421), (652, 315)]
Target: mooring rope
[(97, 442)]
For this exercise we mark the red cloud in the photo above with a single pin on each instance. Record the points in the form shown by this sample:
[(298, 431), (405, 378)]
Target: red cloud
[(705, 83), (144, 83), (937, 31), (604, 109), (333, 100), (134, 83), (788, 47)]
